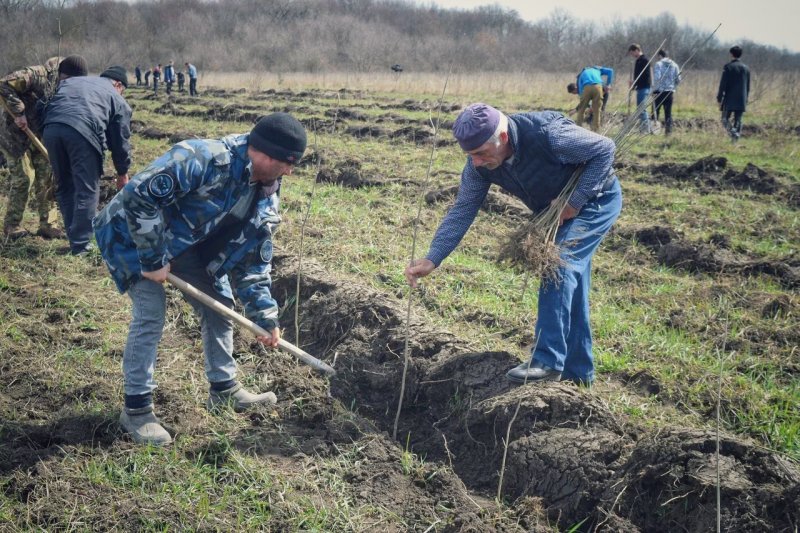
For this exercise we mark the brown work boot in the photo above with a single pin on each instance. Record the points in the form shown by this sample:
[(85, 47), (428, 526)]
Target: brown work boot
[(49, 231), (13, 233)]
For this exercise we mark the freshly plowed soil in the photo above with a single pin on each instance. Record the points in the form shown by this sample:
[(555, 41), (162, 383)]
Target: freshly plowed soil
[(565, 447), (713, 257), (713, 173)]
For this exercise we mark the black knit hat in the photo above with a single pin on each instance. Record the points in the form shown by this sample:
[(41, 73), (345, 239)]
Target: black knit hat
[(116, 73), (73, 66), (280, 136)]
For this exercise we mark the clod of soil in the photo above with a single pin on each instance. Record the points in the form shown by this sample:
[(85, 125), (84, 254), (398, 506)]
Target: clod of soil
[(349, 173), (669, 483), (713, 173)]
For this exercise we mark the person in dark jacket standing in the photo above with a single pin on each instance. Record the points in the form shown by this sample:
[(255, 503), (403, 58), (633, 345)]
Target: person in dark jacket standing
[(533, 156), (86, 115), (181, 80), (641, 82), (156, 77), (147, 77), (138, 73), (734, 90)]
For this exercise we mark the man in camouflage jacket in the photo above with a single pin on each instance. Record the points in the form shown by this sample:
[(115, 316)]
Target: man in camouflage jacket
[(22, 90), (206, 211)]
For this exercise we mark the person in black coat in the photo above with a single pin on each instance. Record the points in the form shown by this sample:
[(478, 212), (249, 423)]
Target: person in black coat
[(734, 89)]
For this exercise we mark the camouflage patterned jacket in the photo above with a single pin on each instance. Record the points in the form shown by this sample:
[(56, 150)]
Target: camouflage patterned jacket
[(23, 88), (177, 202)]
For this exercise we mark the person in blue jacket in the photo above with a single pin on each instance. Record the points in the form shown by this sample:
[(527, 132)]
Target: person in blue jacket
[(206, 211), (533, 156), (591, 90), (169, 76)]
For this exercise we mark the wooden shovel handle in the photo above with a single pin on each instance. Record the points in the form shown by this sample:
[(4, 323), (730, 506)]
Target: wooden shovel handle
[(249, 324)]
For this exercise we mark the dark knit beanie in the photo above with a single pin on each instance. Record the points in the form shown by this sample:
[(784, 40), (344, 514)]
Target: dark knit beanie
[(116, 73), (280, 136), (73, 66)]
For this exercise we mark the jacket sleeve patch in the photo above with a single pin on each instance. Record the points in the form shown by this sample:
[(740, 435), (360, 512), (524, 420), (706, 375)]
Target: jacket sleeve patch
[(161, 186)]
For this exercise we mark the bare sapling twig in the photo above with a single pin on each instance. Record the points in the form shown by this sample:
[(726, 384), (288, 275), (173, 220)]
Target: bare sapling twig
[(720, 354), (508, 434), (420, 197), (303, 225)]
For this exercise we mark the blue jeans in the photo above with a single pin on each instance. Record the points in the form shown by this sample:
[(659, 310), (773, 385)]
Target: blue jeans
[(644, 121), (149, 310), (563, 332)]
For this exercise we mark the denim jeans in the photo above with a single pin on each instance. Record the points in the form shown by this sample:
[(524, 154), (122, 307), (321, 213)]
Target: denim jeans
[(641, 96), (563, 332), (149, 311)]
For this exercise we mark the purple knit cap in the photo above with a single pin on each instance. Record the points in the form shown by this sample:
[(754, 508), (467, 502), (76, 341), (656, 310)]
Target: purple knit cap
[(475, 125)]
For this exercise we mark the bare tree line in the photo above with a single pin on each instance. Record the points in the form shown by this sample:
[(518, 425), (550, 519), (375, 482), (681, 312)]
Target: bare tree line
[(343, 35)]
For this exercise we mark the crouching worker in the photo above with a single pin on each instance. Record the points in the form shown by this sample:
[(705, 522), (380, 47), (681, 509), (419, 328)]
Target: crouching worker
[(204, 211)]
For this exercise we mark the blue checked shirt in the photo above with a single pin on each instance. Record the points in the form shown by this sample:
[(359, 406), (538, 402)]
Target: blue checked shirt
[(570, 143)]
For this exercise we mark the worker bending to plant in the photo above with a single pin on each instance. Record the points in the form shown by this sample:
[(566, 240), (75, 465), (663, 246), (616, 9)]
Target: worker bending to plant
[(534, 156)]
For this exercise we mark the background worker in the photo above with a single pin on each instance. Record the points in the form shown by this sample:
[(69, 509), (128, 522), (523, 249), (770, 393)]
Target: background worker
[(23, 92), (191, 71), (169, 76), (734, 91), (533, 156), (84, 117), (591, 90), (666, 77), (206, 210), (641, 83), (156, 78)]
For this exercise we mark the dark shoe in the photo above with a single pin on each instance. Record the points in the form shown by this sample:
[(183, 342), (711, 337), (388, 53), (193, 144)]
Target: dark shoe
[(49, 232), (144, 427), (13, 233), (83, 252), (239, 399), (526, 373)]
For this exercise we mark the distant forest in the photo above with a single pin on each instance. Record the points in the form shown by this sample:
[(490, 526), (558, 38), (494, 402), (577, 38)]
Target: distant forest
[(345, 35)]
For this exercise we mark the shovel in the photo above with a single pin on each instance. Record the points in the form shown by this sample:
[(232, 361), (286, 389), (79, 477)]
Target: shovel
[(34, 139), (249, 324)]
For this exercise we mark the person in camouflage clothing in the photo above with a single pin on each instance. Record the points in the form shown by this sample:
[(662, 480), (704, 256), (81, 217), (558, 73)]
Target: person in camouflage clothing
[(28, 168), (206, 211)]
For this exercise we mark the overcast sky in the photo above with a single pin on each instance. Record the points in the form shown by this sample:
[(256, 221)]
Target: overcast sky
[(775, 22)]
